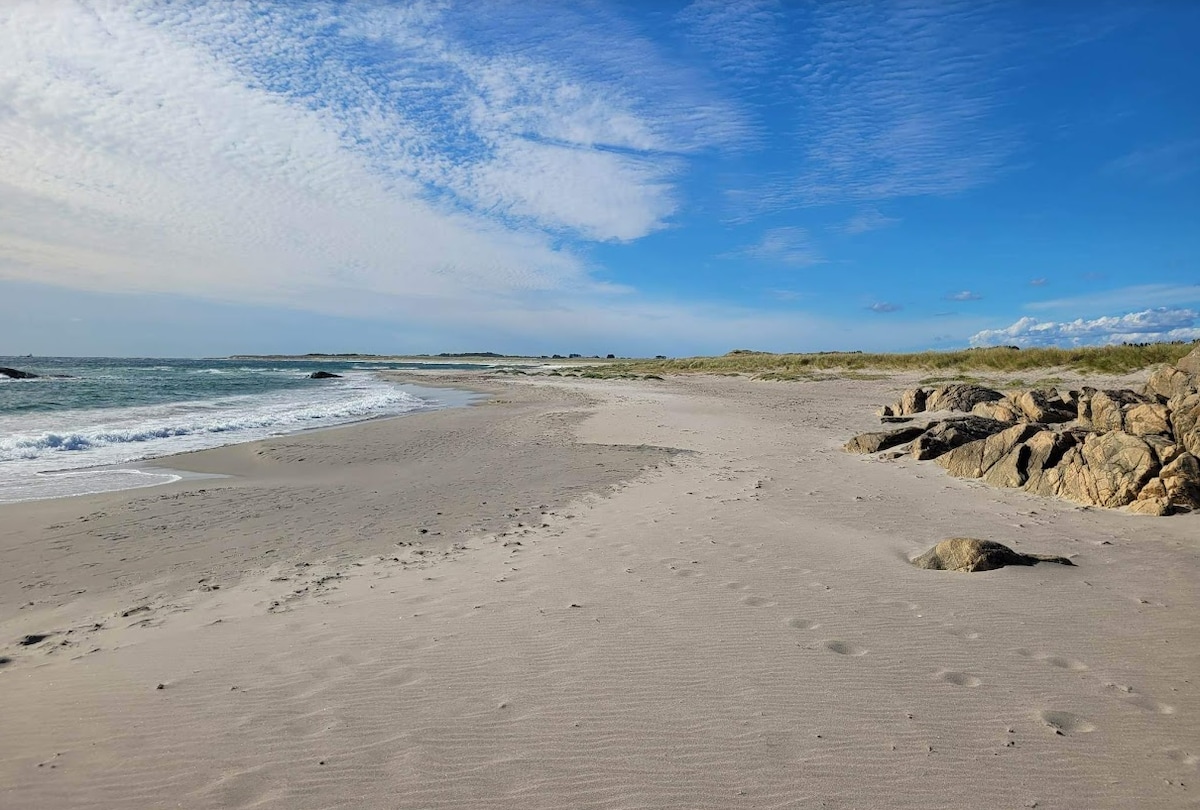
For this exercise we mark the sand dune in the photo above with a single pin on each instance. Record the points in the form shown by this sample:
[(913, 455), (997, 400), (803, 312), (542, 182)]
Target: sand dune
[(593, 594)]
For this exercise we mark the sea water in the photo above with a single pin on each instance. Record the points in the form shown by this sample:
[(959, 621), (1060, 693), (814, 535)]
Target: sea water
[(86, 413)]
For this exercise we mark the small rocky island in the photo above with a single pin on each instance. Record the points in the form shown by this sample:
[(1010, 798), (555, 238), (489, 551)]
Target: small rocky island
[(1112, 448)]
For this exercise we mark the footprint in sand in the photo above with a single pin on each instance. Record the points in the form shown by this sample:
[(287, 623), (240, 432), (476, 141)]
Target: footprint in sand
[(844, 648), (959, 678), (735, 586), (1059, 661), (964, 632), (1182, 757), (1065, 723), (1141, 701), (756, 601), (802, 624)]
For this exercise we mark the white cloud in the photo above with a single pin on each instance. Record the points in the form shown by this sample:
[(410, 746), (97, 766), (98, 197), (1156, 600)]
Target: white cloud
[(333, 156), (884, 307), (1147, 326), (965, 295), (786, 245)]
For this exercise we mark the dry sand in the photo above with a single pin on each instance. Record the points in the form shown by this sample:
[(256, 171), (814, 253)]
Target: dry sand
[(627, 594)]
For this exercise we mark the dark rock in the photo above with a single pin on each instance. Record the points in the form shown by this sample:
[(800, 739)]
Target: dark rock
[(323, 375), (960, 397), (942, 437), (882, 440), (970, 555), (33, 638), (886, 419), (17, 374)]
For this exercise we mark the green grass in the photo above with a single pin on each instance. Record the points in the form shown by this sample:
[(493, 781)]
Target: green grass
[(946, 366)]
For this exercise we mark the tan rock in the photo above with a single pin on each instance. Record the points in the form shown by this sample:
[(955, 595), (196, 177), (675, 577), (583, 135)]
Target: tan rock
[(1170, 382), (1044, 406), (882, 440), (1046, 450), (1164, 447), (1115, 467), (1011, 470), (912, 401), (974, 459), (1185, 421), (1154, 507), (970, 554), (1002, 410), (1190, 362), (1147, 419), (1181, 480)]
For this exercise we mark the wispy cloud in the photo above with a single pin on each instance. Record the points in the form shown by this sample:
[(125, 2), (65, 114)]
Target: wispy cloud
[(894, 100), (965, 295), (884, 307), (1037, 282), (335, 156), (869, 219), (1141, 295), (787, 245), (744, 38), (1161, 163), (1161, 324)]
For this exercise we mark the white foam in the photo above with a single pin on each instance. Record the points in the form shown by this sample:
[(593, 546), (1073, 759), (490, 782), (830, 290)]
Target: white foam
[(71, 440)]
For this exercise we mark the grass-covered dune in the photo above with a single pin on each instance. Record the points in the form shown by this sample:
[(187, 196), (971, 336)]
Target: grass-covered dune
[(1002, 359)]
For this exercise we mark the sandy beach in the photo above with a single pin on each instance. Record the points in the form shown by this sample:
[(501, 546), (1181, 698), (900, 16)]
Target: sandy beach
[(583, 593)]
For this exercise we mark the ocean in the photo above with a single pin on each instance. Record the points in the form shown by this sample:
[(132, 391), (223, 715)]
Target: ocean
[(110, 413)]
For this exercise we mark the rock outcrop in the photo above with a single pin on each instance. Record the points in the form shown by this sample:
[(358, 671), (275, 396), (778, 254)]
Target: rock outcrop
[(882, 440), (324, 375), (17, 374), (1111, 447), (969, 554)]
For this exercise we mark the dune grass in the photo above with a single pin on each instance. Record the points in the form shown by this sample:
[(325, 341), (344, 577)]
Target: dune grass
[(949, 365)]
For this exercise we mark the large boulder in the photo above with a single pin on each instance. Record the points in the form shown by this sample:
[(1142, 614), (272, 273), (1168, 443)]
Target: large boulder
[(324, 375), (1045, 406), (976, 458), (1045, 450), (970, 555), (1168, 382), (1190, 363), (17, 374), (1002, 410), (1115, 466), (1147, 419), (942, 437), (882, 440), (1103, 411), (1185, 421), (960, 397)]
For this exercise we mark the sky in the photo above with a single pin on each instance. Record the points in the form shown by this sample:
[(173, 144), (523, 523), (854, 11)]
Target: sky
[(639, 178)]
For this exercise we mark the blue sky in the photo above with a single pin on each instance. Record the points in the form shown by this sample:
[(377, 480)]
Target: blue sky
[(634, 177)]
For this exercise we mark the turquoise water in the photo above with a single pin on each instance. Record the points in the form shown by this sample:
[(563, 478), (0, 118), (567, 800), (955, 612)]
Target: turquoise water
[(83, 413)]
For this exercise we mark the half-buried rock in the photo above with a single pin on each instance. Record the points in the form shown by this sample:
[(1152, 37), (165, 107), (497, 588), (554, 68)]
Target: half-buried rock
[(969, 554)]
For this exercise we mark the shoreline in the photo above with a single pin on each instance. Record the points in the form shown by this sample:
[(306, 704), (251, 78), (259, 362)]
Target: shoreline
[(633, 593), (160, 464)]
